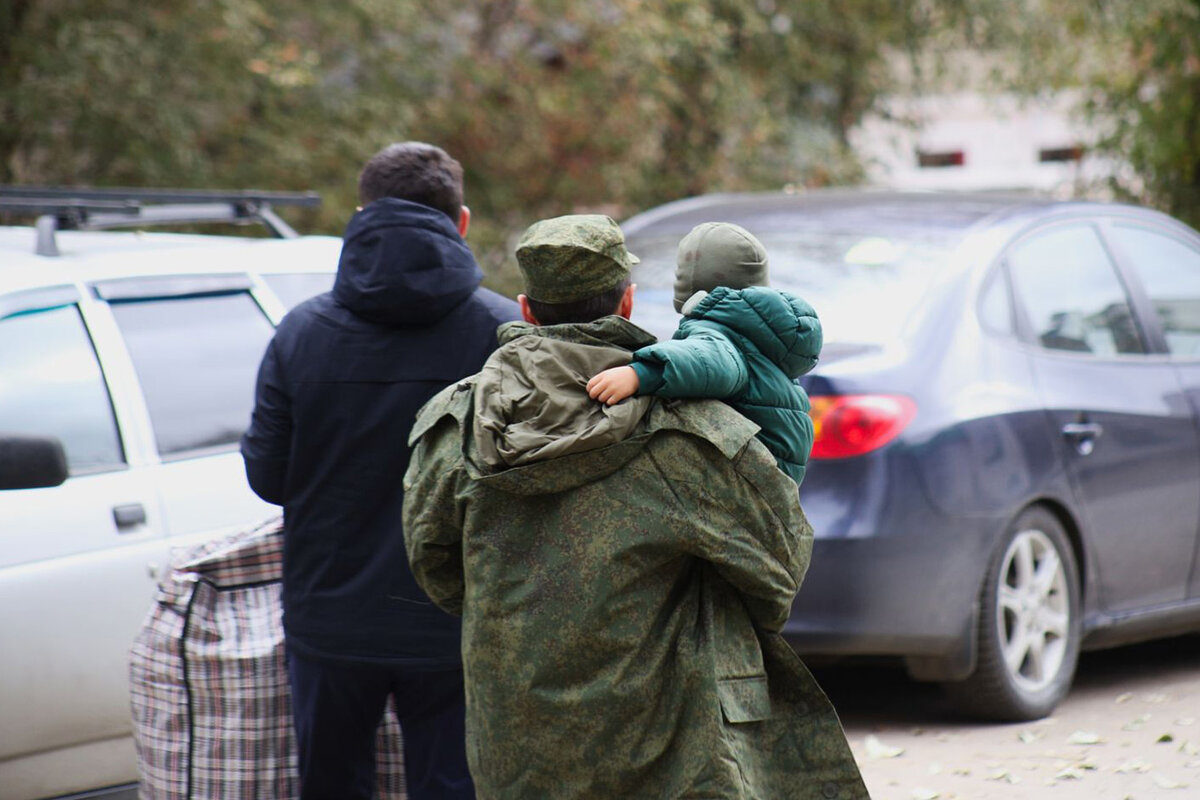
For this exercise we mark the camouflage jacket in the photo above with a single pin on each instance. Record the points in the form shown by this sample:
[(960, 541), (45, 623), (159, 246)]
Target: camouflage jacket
[(622, 572)]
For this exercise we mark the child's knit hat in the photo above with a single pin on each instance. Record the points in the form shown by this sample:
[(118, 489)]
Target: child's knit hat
[(718, 254)]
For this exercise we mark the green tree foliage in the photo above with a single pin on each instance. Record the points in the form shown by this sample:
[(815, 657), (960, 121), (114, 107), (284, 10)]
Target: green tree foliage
[(553, 106), (1137, 66), (1152, 100), (226, 94)]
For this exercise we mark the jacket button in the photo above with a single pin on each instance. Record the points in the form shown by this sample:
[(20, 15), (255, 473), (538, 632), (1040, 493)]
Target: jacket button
[(830, 790)]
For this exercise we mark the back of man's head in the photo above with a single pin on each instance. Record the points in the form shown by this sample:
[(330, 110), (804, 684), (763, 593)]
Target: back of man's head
[(576, 268), (417, 172)]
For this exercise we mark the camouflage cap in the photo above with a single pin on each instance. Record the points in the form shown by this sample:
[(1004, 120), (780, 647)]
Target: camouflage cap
[(571, 258)]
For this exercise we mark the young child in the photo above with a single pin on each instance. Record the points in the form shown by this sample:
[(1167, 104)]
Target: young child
[(738, 341)]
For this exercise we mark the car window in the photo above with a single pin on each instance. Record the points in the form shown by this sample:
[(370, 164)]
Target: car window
[(864, 284), (293, 288), (196, 359), (52, 386), (1069, 288), (1170, 273)]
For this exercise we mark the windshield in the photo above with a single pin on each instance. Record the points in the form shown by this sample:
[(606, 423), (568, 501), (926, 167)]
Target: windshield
[(863, 284)]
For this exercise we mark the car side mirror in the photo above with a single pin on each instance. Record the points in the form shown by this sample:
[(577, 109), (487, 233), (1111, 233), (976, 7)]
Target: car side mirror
[(31, 462)]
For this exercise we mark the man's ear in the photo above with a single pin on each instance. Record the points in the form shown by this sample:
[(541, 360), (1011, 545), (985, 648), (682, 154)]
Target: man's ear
[(526, 311), (625, 307), (464, 221)]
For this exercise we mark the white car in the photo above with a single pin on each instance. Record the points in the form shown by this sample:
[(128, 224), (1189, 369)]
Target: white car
[(137, 354)]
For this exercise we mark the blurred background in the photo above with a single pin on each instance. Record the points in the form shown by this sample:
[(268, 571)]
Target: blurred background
[(611, 106)]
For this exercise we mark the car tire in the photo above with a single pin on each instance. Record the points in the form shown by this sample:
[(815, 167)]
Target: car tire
[(1029, 631)]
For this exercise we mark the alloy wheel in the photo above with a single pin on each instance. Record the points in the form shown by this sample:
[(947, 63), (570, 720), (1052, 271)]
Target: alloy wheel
[(1032, 610)]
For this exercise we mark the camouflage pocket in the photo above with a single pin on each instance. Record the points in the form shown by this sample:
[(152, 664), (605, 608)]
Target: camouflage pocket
[(745, 699)]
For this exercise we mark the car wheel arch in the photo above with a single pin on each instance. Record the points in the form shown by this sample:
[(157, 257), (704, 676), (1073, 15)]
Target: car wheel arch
[(999, 688), (960, 663), (1074, 535)]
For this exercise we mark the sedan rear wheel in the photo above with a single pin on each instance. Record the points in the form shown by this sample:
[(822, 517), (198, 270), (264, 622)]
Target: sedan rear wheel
[(1028, 626)]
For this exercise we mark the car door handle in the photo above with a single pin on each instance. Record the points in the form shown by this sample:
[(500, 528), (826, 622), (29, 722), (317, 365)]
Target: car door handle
[(1083, 435), (1079, 430), (128, 516)]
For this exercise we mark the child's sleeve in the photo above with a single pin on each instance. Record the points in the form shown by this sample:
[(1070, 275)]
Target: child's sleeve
[(705, 364)]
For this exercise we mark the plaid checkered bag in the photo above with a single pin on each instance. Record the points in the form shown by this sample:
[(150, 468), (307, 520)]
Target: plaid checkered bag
[(212, 714)]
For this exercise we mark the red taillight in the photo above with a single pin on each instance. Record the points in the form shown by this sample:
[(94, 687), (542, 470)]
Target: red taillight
[(853, 424)]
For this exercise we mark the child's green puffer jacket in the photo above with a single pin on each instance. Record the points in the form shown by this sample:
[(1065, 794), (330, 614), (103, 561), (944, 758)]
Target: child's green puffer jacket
[(747, 347)]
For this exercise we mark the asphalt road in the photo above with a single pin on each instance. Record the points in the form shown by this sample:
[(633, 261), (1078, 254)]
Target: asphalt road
[(1130, 728)]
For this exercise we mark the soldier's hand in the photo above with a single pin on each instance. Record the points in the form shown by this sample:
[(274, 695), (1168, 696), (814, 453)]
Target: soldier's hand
[(613, 385)]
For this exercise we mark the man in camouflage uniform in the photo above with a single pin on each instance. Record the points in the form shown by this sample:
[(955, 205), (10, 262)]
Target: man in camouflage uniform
[(622, 571)]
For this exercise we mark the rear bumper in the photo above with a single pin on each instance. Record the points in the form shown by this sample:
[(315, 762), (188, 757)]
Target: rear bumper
[(905, 595)]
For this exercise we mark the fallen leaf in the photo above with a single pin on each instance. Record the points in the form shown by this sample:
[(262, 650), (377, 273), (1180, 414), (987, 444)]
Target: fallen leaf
[(1125, 698), (1003, 775), (1029, 737), (925, 794), (877, 749), (1070, 773), (1083, 737), (1134, 765), (1136, 723), (1190, 749), (1164, 782), (1166, 737)]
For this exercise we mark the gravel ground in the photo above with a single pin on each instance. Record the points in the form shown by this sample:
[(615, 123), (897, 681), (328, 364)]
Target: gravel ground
[(1130, 728)]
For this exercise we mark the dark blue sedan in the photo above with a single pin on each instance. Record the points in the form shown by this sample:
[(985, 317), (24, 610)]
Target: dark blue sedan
[(1007, 464)]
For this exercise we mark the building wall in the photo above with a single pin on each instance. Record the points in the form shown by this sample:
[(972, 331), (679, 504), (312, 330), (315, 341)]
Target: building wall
[(976, 141)]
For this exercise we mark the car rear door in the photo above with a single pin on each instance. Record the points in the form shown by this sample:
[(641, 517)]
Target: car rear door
[(195, 343), (1124, 429), (1166, 260), (76, 560)]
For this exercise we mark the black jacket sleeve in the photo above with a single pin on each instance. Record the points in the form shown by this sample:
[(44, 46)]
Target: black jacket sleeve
[(266, 445)]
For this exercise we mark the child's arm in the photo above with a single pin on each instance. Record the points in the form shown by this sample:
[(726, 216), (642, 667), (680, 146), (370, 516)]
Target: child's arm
[(704, 364), (613, 385)]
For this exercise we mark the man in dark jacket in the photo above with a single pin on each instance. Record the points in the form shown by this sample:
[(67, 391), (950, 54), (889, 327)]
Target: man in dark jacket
[(338, 389)]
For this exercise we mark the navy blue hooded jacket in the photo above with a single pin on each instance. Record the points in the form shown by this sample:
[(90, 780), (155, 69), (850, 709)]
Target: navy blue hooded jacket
[(338, 390)]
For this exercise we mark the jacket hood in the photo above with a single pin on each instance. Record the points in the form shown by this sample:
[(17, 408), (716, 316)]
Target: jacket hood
[(535, 430), (404, 265), (783, 327)]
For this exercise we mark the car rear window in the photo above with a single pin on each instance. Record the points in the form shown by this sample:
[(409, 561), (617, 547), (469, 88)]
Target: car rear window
[(197, 359), (863, 284)]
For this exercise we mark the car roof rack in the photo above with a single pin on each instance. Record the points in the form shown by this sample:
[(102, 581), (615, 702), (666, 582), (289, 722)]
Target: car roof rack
[(67, 208)]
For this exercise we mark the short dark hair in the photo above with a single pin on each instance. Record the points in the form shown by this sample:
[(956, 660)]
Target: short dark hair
[(589, 309), (415, 171)]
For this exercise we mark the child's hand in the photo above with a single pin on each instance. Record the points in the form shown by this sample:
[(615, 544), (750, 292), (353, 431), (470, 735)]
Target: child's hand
[(613, 385)]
